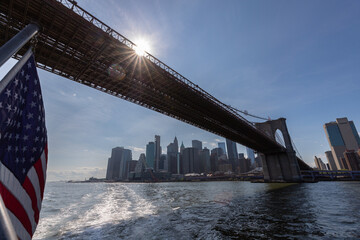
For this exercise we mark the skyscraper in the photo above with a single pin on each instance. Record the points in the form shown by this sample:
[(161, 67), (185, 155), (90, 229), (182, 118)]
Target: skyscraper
[(108, 169), (342, 136), (352, 160), (125, 158), (150, 155), (251, 155), (182, 147), (140, 166), (117, 163), (222, 146), (330, 160), (197, 144), (319, 163), (191, 161), (232, 153), (157, 152), (214, 158), (243, 163), (176, 144), (163, 165), (172, 156), (205, 160)]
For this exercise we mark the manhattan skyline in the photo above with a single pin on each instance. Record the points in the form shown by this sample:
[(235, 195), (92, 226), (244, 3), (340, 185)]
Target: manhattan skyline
[(280, 59)]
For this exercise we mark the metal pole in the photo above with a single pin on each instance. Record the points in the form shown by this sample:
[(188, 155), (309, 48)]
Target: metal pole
[(17, 42), (7, 231)]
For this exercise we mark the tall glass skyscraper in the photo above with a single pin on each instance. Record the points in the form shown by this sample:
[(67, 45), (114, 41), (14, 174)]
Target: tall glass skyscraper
[(232, 153), (342, 135), (222, 146), (251, 155), (116, 168), (197, 144), (157, 152), (150, 155)]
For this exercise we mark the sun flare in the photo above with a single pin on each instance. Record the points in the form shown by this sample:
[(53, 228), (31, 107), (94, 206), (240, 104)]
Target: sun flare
[(142, 46)]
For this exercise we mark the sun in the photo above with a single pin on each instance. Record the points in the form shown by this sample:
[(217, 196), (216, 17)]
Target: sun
[(142, 46)]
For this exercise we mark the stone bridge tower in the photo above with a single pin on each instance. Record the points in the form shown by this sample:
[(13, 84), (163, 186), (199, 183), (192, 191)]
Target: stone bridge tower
[(279, 166)]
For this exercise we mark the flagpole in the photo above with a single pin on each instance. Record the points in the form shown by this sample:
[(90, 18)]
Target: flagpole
[(17, 42), (6, 228), (5, 81)]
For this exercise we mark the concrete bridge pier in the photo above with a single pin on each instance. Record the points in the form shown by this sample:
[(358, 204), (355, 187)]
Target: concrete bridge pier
[(282, 165)]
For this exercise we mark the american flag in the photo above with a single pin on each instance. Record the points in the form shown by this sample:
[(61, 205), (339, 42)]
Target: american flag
[(23, 149)]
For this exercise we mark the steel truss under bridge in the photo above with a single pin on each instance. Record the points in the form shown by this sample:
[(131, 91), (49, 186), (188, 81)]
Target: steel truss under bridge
[(74, 44)]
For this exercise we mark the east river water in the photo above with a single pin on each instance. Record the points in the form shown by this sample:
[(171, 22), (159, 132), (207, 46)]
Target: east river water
[(200, 210)]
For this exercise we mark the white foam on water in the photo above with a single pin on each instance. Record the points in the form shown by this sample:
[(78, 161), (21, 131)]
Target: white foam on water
[(118, 203)]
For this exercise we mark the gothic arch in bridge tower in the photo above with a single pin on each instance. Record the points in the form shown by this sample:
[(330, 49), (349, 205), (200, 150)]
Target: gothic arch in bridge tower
[(279, 137), (281, 165)]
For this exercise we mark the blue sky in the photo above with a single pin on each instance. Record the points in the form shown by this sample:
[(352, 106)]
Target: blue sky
[(294, 59)]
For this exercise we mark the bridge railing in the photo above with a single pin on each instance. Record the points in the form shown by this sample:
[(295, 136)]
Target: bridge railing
[(338, 174)]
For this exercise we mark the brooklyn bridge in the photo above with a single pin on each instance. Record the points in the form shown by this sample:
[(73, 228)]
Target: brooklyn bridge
[(76, 45)]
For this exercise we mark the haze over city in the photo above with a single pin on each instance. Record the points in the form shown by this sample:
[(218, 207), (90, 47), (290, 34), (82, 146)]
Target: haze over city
[(292, 59)]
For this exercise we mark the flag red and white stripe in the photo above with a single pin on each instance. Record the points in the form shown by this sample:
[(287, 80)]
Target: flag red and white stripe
[(23, 146)]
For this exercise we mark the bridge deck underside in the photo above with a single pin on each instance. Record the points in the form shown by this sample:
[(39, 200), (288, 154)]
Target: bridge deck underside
[(73, 46)]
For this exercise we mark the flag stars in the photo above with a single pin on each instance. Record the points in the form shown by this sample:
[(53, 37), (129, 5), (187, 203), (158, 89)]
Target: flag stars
[(27, 77), (8, 121), (16, 82), (32, 159), (9, 107), (16, 96), (30, 115), (29, 64), (28, 126), (24, 149), (8, 92), (33, 149), (36, 139), (33, 104), (22, 72), (34, 93), (38, 129), (26, 137), (16, 149), (24, 170), (9, 148), (17, 160)]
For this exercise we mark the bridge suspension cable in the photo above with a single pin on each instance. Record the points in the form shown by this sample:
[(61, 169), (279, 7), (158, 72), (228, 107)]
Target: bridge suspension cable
[(248, 114), (296, 150)]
